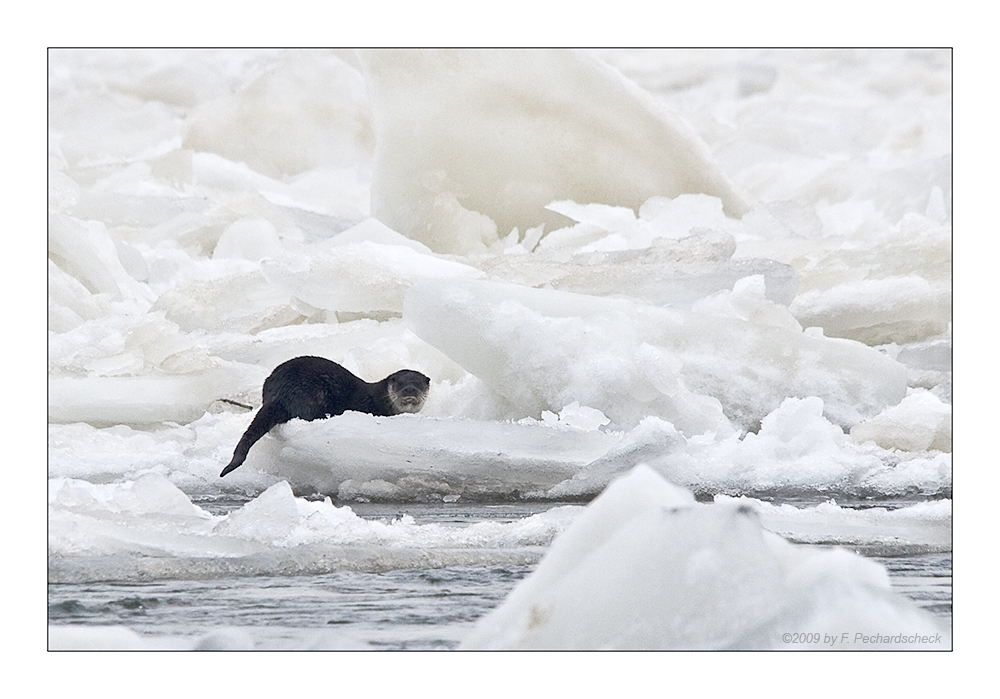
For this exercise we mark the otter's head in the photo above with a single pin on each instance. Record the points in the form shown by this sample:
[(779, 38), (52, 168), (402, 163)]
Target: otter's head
[(407, 390)]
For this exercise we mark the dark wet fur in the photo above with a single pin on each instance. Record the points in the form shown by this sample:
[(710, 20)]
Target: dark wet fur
[(312, 388)]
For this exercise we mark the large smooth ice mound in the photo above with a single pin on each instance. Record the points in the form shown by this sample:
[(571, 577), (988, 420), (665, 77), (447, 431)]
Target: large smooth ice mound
[(542, 349), (471, 144), (645, 567)]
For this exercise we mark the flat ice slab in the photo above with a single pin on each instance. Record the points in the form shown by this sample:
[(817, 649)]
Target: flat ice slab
[(406, 457)]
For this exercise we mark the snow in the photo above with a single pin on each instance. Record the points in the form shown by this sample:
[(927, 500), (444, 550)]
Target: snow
[(919, 422), (540, 349), (731, 271)]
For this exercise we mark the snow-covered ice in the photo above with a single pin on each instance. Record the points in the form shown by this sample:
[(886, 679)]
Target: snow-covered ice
[(148, 529), (730, 270)]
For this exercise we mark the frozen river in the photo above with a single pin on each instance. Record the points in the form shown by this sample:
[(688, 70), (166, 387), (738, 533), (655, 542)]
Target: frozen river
[(686, 315)]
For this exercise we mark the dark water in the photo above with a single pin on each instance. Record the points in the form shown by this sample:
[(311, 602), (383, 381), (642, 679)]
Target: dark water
[(401, 609), (925, 579)]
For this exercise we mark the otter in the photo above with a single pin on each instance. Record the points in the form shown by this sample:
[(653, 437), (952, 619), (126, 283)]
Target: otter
[(312, 388)]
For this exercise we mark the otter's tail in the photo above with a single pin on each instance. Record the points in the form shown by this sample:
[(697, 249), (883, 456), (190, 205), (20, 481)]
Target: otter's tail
[(269, 415)]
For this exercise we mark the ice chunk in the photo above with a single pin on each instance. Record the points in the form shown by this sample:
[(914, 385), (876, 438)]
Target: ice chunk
[(579, 416), (241, 302), (644, 567), (675, 273), (543, 349), (249, 239), (919, 423), (651, 439), (932, 355), (148, 517), (421, 458), (86, 251), (659, 218), (99, 126), (148, 529), (893, 288), (472, 144), (897, 309), (925, 526), (106, 454), (323, 201), (358, 277), (798, 450), (149, 495), (70, 302), (372, 230), (276, 506), (131, 400), (303, 110), (595, 530)]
